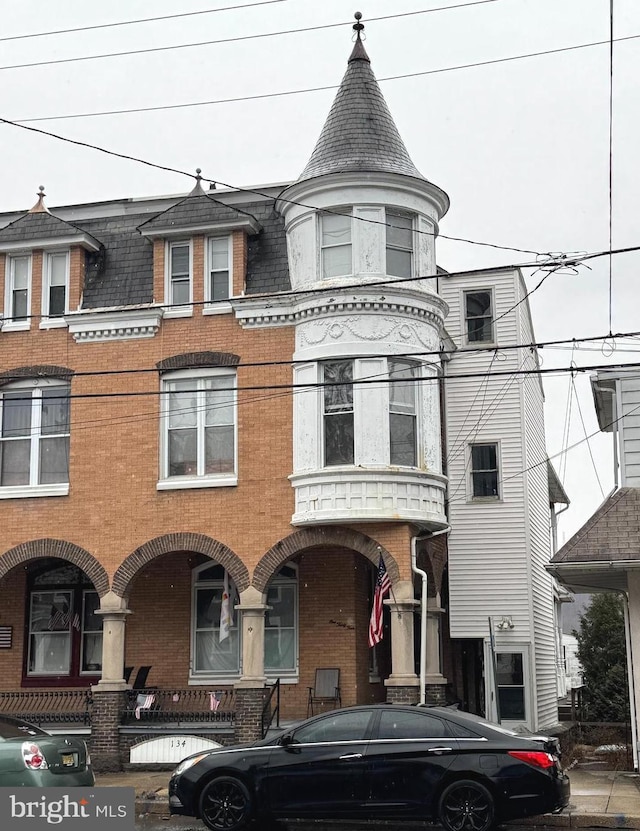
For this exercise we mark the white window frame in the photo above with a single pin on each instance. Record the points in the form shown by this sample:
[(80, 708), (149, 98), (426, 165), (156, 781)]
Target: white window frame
[(287, 675), (203, 676), (492, 687), (348, 211), (416, 409), (10, 324), (489, 498), (213, 307), (34, 489), (57, 321), (324, 414), (84, 632), (390, 216), (211, 480), (471, 344), (182, 310)]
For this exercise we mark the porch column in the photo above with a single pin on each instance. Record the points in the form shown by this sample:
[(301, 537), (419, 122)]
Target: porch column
[(109, 694), (250, 689), (633, 588), (435, 682), (403, 683)]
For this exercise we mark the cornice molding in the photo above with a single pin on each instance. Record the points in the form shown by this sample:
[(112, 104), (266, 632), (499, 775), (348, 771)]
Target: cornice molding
[(124, 324)]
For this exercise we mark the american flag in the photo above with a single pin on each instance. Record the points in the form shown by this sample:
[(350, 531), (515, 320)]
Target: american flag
[(214, 702), (144, 702), (383, 584)]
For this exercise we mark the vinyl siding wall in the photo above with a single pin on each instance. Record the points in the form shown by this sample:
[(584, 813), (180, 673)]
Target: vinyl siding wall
[(629, 409)]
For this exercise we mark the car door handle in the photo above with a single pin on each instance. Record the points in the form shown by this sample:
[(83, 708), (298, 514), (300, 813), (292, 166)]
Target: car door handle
[(350, 756), (439, 750)]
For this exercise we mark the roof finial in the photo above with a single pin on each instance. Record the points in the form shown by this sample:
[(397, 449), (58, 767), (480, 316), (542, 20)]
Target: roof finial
[(197, 190), (40, 207), (359, 53)]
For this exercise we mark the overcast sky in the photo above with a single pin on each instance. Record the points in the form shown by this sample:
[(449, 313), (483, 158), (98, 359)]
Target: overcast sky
[(521, 147)]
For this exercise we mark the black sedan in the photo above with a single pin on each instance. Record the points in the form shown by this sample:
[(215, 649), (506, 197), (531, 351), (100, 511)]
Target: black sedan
[(383, 761)]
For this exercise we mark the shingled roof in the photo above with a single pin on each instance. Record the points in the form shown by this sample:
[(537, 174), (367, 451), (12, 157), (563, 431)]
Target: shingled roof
[(201, 211), (359, 133), (44, 227)]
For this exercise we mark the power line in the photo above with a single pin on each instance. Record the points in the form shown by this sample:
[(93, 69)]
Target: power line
[(610, 160), (262, 96), (252, 191), (238, 38), (135, 22)]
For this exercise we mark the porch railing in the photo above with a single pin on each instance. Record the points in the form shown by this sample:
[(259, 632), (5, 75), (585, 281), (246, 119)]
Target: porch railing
[(48, 706), (271, 709), (180, 706)]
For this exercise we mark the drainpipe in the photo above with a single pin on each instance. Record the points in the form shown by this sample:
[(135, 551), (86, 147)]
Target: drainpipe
[(632, 693), (426, 535)]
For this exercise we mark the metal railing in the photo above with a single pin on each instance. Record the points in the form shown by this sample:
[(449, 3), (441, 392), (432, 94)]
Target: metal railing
[(271, 711), (48, 706), (180, 706)]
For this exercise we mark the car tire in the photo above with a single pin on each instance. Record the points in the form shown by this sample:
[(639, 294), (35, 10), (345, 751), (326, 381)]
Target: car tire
[(466, 805), (225, 804)]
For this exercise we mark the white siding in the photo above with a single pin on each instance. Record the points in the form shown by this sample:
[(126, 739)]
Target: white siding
[(629, 409)]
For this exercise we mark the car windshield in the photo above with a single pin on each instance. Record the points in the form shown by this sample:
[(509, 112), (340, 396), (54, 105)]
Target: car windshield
[(14, 729)]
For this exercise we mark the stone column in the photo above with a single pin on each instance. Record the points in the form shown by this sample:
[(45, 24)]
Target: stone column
[(250, 689), (109, 694), (435, 681), (403, 683)]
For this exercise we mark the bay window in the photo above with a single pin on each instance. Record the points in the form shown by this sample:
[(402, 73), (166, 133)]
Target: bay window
[(34, 434), (335, 244), (403, 430), (399, 245)]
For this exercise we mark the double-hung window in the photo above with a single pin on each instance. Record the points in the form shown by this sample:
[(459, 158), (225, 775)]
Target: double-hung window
[(179, 274), (484, 471), (218, 285), (34, 437), (338, 413), (478, 313), (511, 686), (399, 245), (403, 419), (18, 288), (55, 291), (335, 244), (199, 429), (281, 624)]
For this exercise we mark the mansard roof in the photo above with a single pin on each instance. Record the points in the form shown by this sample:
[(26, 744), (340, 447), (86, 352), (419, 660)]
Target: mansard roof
[(359, 133)]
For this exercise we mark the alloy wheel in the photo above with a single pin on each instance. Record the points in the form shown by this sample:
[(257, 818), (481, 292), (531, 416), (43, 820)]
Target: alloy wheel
[(466, 806), (225, 804)]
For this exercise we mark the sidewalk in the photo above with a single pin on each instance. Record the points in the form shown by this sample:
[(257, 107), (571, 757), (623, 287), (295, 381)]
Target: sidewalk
[(599, 798)]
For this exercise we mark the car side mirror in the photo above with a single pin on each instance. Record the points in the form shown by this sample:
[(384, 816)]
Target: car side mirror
[(287, 740)]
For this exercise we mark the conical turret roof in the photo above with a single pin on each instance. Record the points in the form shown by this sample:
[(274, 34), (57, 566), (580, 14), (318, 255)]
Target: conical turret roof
[(359, 133)]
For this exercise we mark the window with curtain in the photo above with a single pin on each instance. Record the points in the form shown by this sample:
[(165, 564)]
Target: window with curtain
[(335, 244), (338, 413)]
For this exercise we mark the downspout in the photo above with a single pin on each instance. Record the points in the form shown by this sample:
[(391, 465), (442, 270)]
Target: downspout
[(632, 694), (426, 535)]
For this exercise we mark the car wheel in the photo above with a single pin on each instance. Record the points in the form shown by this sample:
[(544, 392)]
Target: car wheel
[(466, 806), (225, 804)]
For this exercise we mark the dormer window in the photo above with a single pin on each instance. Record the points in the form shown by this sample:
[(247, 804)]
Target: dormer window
[(335, 245), (55, 294), (218, 285), (399, 245), (18, 288), (179, 275)]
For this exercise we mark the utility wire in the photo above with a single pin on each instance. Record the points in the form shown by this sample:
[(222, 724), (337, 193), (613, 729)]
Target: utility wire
[(584, 430), (610, 160), (135, 22), (252, 191), (236, 39), (283, 93)]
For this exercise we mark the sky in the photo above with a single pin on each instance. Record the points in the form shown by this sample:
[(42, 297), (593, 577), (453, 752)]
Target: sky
[(522, 146)]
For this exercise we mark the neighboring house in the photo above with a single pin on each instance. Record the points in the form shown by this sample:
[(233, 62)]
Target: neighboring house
[(604, 555), (210, 404)]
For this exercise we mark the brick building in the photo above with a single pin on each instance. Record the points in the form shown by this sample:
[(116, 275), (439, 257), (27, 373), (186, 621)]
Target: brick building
[(241, 391)]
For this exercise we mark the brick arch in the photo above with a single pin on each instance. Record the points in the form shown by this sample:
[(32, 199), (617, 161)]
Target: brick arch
[(329, 535), (170, 543), (63, 550), (34, 372)]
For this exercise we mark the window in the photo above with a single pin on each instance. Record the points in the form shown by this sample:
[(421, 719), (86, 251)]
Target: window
[(335, 244), (214, 658), (510, 679), (34, 440), (484, 471), (478, 310), (402, 413), (218, 269), (18, 288), (399, 725), (211, 656), (281, 624), (399, 245), (65, 633), (179, 292), (199, 441), (56, 284), (340, 727), (338, 413)]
